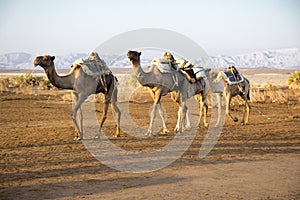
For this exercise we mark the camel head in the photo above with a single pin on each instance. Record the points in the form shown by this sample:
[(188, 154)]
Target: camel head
[(134, 55), (44, 61)]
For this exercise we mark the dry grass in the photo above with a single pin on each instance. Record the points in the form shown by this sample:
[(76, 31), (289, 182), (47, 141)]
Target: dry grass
[(27, 84), (261, 92)]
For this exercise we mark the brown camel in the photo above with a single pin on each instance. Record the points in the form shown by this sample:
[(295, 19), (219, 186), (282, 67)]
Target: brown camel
[(241, 88), (83, 85), (161, 84)]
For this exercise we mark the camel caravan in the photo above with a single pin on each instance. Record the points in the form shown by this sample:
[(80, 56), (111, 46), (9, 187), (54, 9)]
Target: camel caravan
[(179, 77)]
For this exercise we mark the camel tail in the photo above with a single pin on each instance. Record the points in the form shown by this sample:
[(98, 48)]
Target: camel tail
[(248, 95), (115, 92)]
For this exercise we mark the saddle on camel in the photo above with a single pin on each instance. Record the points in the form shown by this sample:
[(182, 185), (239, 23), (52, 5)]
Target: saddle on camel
[(232, 76), (94, 67), (167, 64), (193, 72)]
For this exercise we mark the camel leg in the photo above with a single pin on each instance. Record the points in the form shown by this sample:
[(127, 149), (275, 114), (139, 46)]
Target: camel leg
[(111, 96), (182, 113), (228, 100), (117, 111), (219, 102), (176, 129), (199, 98), (187, 124), (156, 96), (153, 113), (115, 107), (162, 114), (74, 102), (205, 109), (80, 118), (103, 118), (246, 112), (79, 99), (248, 108)]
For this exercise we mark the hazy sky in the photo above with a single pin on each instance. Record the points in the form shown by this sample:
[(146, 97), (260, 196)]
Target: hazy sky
[(225, 27)]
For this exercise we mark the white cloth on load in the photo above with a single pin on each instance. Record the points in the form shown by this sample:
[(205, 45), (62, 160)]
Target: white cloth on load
[(183, 64), (199, 71), (187, 65), (162, 65)]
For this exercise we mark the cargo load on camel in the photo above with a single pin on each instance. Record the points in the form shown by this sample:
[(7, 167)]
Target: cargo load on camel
[(193, 72), (94, 67), (232, 76)]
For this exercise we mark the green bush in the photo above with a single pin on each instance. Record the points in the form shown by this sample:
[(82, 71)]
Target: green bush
[(294, 78)]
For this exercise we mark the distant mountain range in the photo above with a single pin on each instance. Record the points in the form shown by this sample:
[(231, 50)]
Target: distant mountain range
[(281, 58)]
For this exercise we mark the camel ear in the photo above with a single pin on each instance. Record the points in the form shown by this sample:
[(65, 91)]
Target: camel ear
[(140, 53), (52, 58)]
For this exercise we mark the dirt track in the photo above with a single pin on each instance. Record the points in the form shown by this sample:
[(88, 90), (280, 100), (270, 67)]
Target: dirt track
[(39, 159)]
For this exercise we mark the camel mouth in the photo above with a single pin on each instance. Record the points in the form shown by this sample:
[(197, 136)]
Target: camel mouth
[(129, 57), (35, 63)]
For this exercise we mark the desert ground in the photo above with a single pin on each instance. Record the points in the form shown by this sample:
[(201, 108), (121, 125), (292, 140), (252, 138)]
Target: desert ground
[(40, 160)]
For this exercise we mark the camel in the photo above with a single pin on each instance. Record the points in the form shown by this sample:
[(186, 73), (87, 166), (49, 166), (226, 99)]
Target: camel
[(160, 84), (187, 68), (83, 85), (241, 88)]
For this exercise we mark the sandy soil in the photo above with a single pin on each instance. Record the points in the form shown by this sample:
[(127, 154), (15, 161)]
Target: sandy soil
[(39, 159)]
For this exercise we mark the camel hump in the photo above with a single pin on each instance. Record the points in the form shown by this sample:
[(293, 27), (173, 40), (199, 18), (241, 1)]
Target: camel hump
[(163, 65), (93, 65)]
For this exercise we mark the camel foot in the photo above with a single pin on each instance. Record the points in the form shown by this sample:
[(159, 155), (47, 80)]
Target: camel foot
[(205, 125), (235, 119), (164, 131), (117, 135), (77, 138), (179, 133), (149, 134), (187, 127), (244, 123), (97, 137)]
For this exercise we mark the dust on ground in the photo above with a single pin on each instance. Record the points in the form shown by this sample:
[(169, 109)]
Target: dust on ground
[(39, 159)]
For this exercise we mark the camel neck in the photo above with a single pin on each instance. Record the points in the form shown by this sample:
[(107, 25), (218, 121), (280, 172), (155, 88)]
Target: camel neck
[(62, 82), (137, 69)]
